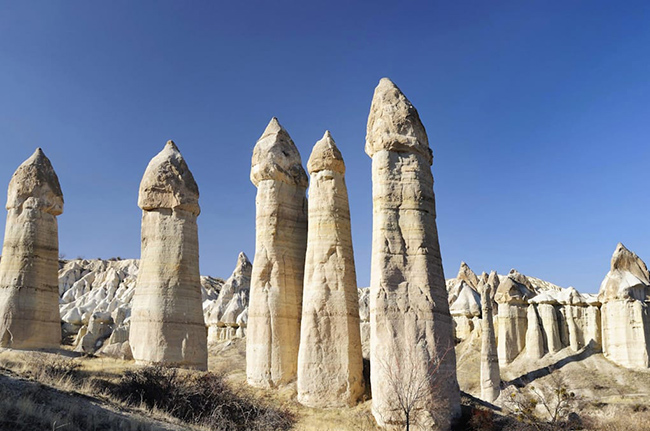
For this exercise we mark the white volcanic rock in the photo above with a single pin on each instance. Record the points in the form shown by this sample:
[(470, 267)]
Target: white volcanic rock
[(408, 297), (330, 365), (273, 332), (29, 315), (364, 318), (534, 335), (167, 324), (465, 311), (231, 302), (625, 311), (490, 373), (512, 296)]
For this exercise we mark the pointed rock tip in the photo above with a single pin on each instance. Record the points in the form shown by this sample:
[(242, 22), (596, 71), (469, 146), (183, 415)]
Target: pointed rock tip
[(36, 178), (275, 157), (394, 124), (168, 183), (326, 156)]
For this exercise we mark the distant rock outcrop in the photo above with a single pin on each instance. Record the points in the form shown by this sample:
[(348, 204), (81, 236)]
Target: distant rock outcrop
[(29, 316)]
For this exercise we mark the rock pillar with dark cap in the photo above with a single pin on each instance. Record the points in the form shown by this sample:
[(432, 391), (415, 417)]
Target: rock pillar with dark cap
[(29, 287), (167, 325), (411, 334), (330, 365), (275, 306)]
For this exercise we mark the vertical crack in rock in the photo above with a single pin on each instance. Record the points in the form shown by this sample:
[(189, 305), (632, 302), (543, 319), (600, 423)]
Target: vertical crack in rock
[(330, 367), (167, 324), (29, 288), (415, 343), (275, 305)]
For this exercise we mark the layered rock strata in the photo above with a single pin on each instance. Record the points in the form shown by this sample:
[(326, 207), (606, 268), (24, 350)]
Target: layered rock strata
[(274, 313), (330, 366), (167, 324), (411, 332), (29, 312), (490, 373), (625, 295)]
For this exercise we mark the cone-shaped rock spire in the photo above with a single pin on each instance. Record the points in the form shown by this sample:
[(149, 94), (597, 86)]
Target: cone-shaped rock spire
[(274, 311), (167, 324), (411, 330), (490, 373), (29, 293), (330, 365)]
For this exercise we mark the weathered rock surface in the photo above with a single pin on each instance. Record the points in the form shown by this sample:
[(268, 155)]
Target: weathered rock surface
[(411, 331), (221, 314), (29, 313), (167, 324), (330, 366), (625, 295), (273, 332), (534, 335), (490, 374)]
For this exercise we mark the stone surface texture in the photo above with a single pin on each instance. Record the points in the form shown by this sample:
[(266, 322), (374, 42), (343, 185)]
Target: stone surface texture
[(411, 332), (29, 312), (625, 295), (167, 324), (490, 373), (330, 365), (275, 309)]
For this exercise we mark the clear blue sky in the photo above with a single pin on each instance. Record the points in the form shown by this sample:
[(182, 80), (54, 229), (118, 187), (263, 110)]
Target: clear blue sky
[(538, 114)]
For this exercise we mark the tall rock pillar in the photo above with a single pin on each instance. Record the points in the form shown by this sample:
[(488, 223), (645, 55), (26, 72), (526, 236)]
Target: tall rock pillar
[(625, 313), (330, 365), (274, 311), (411, 331), (167, 317), (29, 287), (490, 373)]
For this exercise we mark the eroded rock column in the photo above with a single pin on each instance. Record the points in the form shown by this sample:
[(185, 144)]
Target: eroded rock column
[(490, 373), (167, 323), (410, 325), (274, 311), (29, 287), (330, 367)]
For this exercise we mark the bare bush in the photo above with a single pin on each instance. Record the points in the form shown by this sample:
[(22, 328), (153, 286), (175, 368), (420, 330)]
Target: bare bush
[(197, 398), (549, 409)]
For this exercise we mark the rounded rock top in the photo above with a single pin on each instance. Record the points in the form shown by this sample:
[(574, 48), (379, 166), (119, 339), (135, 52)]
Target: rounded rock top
[(394, 124), (275, 157), (36, 185), (326, 156), (168, 183)]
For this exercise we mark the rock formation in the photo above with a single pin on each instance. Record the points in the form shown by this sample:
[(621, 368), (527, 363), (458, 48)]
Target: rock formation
[(534, 335), (29, 311), (222, 313), (167, 324), (330, 366), (274, 312), (512, 295), (546, 304), (411, 332), (490, 374), (625, 294)]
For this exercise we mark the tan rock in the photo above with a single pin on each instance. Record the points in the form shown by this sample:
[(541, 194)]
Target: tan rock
[(274, 313), (625, 312), (490, 374), (330, 366), (167, 323), (410, 325), (29, 290), (534, 335), (512, 296)]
